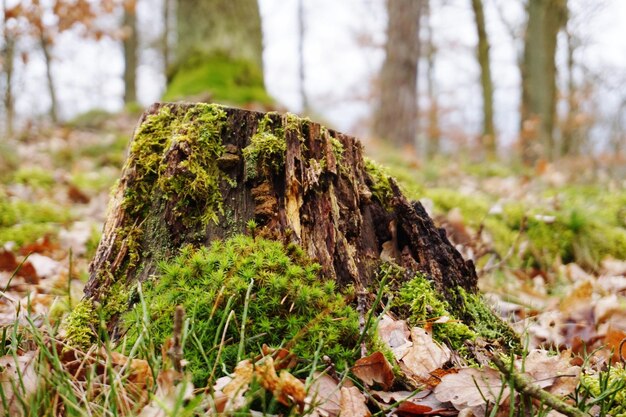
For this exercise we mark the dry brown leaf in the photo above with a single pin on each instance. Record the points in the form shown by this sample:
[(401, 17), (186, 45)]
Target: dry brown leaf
[(352, 403), (392, 397), (374, 369), (15, 388), (425, 355), (470, 387), (614, 340), (580, 296), (324, 395), (290, 390), (395, 333), (553, 373)]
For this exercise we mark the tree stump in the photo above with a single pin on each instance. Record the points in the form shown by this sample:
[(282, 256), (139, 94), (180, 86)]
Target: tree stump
[(200, 172)]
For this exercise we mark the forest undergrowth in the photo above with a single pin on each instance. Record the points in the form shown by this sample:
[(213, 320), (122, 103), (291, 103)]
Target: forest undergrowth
[(549, 244)]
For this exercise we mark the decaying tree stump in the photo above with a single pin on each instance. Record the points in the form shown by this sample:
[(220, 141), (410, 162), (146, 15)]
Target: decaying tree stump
[(199, 172)]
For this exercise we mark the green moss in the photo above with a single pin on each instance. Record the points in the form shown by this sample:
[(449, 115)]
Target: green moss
[(484, 321), (267, 148), (291, 304), (23, 222), (195, 184), (608, 385), (338, 149), (35, 177), (226, 80), (381, 182), (419, 302), (79, 325)]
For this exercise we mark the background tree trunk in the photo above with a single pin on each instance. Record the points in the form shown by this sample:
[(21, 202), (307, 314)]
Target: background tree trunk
[(130, 51), (395, 116), (196, 173), (304, 100), (8, 57), (227, 26), (45, 48), (219, 52), (538, 112), (489, 132), (434, 130)]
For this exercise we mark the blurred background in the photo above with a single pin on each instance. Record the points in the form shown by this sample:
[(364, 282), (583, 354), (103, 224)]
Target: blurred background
[(534, 79)]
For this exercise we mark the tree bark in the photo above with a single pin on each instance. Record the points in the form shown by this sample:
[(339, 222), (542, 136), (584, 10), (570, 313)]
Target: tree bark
[(539, 90), (489, 131), (395, 116), (323, 196), (130, 52)]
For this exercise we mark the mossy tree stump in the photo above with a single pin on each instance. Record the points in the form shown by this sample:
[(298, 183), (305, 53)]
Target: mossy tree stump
[(197, 173)]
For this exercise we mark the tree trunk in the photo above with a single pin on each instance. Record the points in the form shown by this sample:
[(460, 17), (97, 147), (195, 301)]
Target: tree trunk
[(489, 132), (45, 48), (165, 39), (434, 131), (197, 172), (538, 110), (395, 117), (130, 52), (8, 55), (304, 100), (219, 52)]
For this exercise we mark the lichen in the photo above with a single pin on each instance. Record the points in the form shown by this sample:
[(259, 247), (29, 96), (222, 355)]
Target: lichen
[(267, 149), (292, 304)]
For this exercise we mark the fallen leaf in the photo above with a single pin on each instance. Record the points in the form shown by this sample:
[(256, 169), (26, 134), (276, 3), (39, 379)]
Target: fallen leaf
[(425, 355), (324, 395), (554, 373), (395, 333), (18, 380), (352, 403), (615, 340), (579, 296), (374, 369), (470, 387)]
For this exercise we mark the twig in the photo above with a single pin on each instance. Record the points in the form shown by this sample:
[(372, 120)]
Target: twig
[(525, 385), (175, 352)]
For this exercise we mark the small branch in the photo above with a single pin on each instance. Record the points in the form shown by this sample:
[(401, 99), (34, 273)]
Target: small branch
[(175, 352), (525, 385)]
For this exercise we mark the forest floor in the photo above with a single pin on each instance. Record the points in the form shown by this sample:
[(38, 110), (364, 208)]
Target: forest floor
[(549, 245)]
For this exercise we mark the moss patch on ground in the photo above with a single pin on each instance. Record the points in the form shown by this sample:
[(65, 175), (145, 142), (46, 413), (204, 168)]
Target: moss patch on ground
[(24, 222), (290, 305), (422, 306)]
